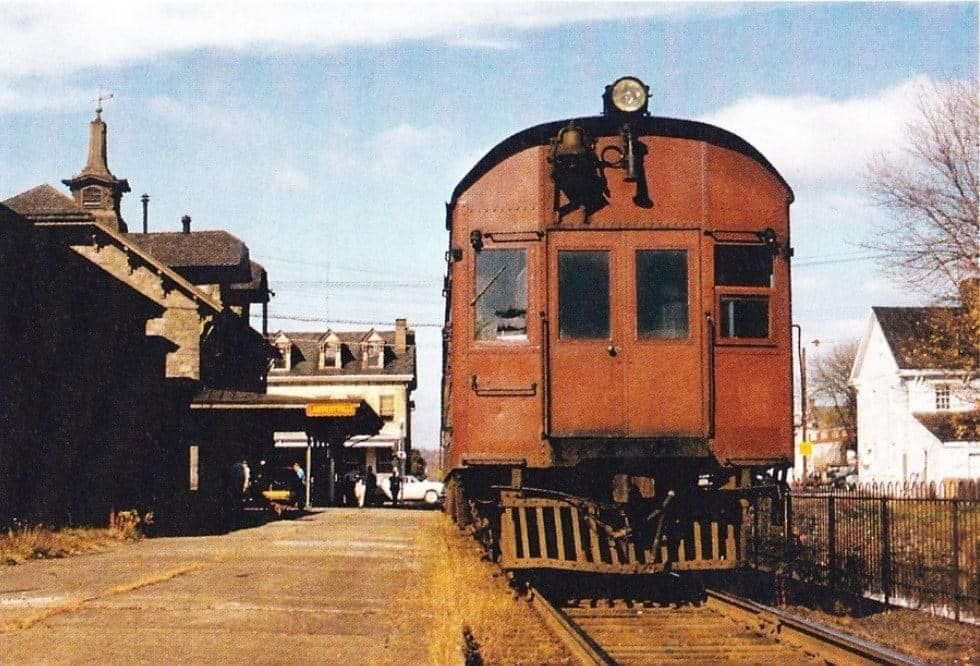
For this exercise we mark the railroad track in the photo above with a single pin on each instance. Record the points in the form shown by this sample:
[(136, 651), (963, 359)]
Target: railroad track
[(722, 629)]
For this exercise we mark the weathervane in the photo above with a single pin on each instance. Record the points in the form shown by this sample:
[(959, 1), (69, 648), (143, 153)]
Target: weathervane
[(103, 97)]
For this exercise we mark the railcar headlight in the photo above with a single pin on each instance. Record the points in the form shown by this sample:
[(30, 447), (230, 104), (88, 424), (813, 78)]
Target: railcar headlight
[(627, 95)]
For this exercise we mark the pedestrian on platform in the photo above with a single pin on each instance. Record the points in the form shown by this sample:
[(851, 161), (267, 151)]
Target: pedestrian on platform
[(300, 484), (360, 490), (370, 487), (395, 485)]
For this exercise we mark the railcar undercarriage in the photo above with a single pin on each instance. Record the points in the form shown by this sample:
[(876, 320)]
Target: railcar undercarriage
[(647, 526)]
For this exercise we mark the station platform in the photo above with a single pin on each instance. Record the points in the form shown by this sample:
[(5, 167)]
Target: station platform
[(322, 587)]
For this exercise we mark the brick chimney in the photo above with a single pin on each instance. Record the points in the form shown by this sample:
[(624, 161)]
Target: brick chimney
[(186, 223), (401, 336)]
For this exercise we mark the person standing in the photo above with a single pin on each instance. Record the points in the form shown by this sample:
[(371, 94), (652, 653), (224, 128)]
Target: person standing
[(370, 486), (395, 485), (300, 485)]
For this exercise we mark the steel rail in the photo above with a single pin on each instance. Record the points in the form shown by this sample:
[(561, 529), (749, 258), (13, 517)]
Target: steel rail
[(821, 643), (578, 643), (808, 635)]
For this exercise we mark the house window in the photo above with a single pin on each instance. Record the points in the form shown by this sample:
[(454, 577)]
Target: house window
[(193, 455), (942, 396), (500, 299), (331, 356), (386, 408), (661, 294), (283, 362), (744, 272), (583, 294)]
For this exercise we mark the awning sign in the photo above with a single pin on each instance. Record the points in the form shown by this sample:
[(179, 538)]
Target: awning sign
[(332, 408)]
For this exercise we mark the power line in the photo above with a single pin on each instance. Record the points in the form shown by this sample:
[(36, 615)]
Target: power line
[(356, 284), (331, 320)]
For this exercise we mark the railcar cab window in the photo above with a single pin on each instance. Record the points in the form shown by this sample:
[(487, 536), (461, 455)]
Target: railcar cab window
[(500, 300), (744, 275), (661, 294), (583, 294)]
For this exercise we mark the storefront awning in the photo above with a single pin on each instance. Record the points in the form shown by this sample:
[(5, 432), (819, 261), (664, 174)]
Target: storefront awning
[(373, 442)]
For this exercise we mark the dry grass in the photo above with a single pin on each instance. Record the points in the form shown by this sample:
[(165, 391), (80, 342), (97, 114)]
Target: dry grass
[(463, 591), (933, 639), (33, 543)]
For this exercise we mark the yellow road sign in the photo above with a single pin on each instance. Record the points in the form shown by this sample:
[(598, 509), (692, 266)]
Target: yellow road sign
[(806, 448)]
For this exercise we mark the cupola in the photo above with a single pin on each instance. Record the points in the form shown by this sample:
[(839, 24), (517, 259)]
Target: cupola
[(95, 188)]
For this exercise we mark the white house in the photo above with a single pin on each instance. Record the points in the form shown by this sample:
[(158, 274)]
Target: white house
[(375, 366), (916, 421)]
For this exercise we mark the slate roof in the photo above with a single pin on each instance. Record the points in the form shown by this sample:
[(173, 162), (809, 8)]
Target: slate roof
[(258, 273), (44, 202), (908, 330), (306, 355), (952, 426), (193, 250)]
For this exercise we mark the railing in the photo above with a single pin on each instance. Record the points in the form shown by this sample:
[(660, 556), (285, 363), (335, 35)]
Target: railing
[(906, 545)]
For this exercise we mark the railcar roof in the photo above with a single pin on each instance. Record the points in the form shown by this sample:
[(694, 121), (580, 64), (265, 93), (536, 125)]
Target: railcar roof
[(597, 126)]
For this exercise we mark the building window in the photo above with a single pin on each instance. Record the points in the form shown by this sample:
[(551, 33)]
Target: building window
[(583, 294), (500, 299), (383, 460), (92, 197), (661, 294), (386, 408), (283, 361), (942, 396), (193, 455)]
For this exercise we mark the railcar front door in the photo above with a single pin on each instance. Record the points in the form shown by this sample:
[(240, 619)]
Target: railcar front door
[(625, 342)]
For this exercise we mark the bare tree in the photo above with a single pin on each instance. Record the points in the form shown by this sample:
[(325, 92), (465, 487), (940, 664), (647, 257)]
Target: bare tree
[(828, 384), (930, 243)]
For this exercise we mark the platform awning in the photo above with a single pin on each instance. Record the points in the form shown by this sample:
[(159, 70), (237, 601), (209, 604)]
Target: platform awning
[(324, 419)]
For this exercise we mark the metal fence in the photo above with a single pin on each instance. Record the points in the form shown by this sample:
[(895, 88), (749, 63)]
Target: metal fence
[(905, 545)]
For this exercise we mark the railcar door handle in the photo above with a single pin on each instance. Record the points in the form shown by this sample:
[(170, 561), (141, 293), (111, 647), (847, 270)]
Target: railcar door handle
[(612, 349)]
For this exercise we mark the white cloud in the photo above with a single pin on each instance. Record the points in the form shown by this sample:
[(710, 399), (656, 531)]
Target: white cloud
[(483, 43), (288, 178), (817, 140), (49, 37)]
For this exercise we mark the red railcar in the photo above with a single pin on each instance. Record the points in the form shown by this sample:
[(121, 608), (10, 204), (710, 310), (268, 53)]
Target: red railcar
[(617, 347)]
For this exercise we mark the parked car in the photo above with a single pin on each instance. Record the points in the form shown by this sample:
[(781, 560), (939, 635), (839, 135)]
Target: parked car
[(279, 489), (414, 489)]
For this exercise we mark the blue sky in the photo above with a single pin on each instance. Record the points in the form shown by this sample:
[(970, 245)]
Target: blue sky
[(328, 138)]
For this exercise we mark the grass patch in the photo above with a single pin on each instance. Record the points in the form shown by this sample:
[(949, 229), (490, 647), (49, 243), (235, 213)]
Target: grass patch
[(40, 542), (468, 601)]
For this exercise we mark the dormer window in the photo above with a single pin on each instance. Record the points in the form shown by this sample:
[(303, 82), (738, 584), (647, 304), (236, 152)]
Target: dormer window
[(285, 347), (331, 351), (373, 351)]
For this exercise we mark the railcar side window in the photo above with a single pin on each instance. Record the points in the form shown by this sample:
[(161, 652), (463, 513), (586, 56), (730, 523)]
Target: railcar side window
[(743, 265), (744, 317), (583, 294), (661, 294), (500, 301)]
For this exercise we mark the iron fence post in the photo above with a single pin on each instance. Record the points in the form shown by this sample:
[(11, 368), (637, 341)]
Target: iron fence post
[(886, 555), (832, 540), (955, 508)]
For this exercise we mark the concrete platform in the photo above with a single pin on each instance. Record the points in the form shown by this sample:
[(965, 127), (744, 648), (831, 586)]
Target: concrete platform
[(315, 589)]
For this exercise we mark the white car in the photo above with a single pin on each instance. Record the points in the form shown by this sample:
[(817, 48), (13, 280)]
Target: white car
[(413, 489)]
